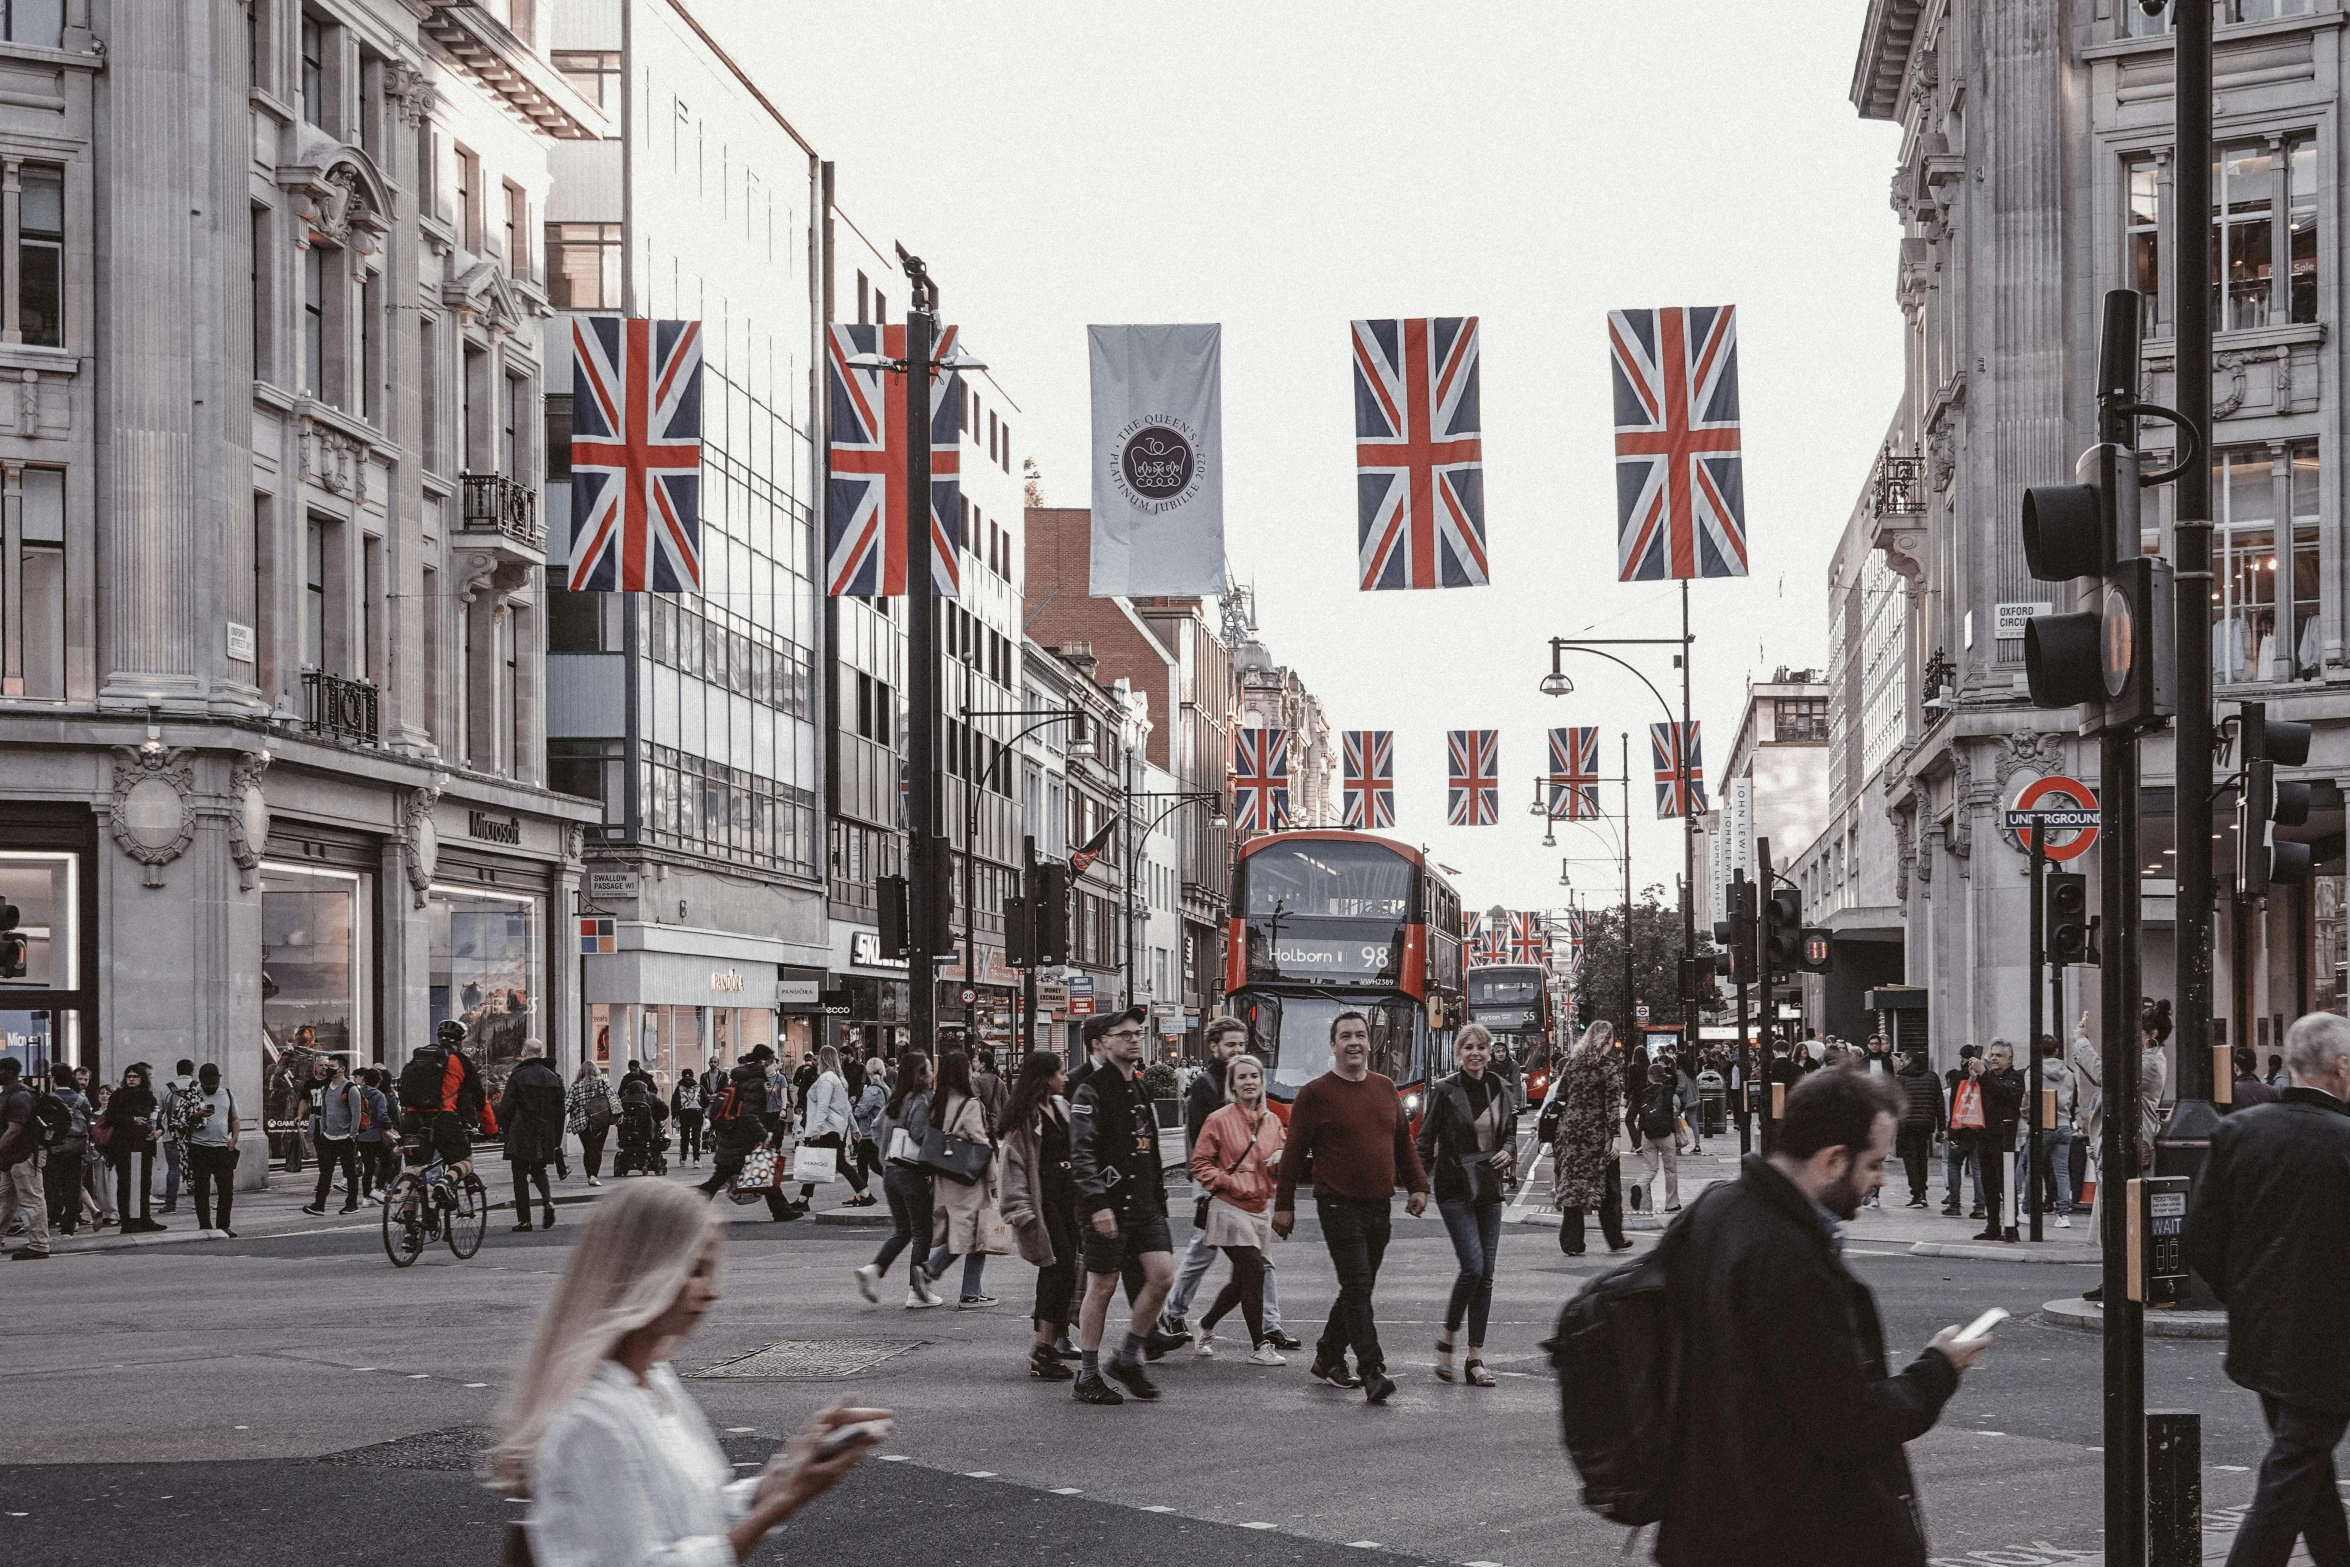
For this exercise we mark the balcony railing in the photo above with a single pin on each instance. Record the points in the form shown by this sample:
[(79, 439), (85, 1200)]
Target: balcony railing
[(1900, 485), (497, 504), (340, 709)]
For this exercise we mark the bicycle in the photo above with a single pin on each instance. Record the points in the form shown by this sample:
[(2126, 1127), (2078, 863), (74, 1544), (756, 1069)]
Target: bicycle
[(426, 1203)]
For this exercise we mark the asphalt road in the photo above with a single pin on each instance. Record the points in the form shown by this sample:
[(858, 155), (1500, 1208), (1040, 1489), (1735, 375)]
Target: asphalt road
[(252, 1401)]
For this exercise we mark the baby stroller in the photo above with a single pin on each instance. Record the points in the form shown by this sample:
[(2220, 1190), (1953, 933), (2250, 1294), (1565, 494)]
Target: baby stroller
[(643, 1145)]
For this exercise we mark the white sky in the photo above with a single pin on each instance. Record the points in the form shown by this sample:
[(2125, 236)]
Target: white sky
[(1282, 169)]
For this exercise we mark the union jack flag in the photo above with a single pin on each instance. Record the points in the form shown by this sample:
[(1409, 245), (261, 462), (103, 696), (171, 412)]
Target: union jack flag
[(864, 518), (1574, 943), (1574, 774), (636, 455), (1369, 787), (1485, 942), (1419, 461), (1680, 482), (1260, 780), (1474, 779), (1528, 942), (1664, 748)]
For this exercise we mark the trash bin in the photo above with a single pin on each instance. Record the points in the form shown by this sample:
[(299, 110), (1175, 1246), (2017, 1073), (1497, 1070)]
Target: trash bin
[(1713, 1104)]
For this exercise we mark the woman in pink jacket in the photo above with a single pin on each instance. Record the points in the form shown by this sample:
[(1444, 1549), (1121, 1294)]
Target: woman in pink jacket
[(1237, 1161)]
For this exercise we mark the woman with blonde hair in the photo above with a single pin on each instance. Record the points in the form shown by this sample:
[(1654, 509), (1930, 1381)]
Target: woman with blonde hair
[(618, 1464), (1236, 1162)]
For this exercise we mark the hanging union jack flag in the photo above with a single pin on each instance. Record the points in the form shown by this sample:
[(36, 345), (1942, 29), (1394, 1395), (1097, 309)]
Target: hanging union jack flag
[(1574, 943), (636, 455), (865, 517), (1473, 777), (1680, 482), (1369, 786), (1664, 747), (1528, 942), (1260, 780), (1574, 774), (1485, 943), (1419, 459)]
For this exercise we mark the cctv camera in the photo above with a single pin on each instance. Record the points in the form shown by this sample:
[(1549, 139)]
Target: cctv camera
[(2153, 7)]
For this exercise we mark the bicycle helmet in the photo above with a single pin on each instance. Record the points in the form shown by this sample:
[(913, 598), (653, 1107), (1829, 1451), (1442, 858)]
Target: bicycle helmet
[(451, 1033)]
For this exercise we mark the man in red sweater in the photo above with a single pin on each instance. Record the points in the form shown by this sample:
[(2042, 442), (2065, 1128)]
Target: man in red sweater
[(1350, 1126)]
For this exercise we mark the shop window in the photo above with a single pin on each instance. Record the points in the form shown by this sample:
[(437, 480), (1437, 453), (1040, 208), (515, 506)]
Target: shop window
[(44, 890), (40, 255), (487, 954), (316, 980)]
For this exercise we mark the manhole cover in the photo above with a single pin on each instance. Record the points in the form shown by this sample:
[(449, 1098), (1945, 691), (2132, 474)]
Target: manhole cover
[(811, 1359)]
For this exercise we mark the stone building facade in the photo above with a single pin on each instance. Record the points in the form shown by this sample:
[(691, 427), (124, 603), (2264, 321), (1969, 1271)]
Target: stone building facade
[(2033, 175), (274, 557)]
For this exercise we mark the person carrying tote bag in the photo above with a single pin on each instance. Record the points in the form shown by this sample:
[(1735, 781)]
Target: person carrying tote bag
[(967, 1216)]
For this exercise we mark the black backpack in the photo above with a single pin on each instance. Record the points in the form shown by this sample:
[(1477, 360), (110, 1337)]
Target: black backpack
[(52, 1120), (1618, 1356), (421, 1080), (1657, 1115)]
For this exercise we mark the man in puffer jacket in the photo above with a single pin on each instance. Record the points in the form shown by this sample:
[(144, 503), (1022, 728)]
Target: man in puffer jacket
[(1921, 1121)]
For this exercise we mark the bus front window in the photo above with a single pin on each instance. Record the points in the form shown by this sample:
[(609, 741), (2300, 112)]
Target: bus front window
[(1293, 1034)]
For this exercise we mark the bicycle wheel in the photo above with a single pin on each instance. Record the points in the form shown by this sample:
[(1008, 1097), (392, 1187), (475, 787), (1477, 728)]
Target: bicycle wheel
[(403, 1220), (469, 1221)]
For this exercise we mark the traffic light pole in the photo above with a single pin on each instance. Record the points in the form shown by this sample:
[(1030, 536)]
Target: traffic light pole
[(2038, 1024), (1688, 848), (1625, 1028), (1028, 974), (925, 919), (1762, 973)]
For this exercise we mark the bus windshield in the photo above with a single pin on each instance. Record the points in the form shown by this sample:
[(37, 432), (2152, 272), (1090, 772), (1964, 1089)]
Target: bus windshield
[(1293, 1034), (1328, 878), (1505, 987)]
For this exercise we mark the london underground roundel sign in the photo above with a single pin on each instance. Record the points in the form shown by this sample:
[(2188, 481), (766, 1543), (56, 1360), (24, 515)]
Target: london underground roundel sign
[(2066, 809)]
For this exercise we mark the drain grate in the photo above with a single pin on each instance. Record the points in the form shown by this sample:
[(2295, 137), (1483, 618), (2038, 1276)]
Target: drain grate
[(811, 1359)]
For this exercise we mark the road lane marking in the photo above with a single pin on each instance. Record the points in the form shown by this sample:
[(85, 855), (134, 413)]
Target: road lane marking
[(897, 1458), (1068, 1490), (1260, 1526), (979, 1474)]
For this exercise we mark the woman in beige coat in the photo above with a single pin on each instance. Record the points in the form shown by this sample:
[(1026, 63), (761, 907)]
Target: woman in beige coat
[(967, 1221), (1040, 1204)]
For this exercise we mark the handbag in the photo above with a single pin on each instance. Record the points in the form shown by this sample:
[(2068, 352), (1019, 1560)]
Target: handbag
[(815, 1166), (760, 1176), (1966, 1107), (959, 1159), (903, 1150)]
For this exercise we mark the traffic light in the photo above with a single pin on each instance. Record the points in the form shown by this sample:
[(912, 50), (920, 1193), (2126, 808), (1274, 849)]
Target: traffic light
[(2065, 926), (1783, 916), (1819, 951), (893, 893), (1586, 1010), (1735, 935), (1048, 896), (1019, 935), (2263, 804), (2112, 657)]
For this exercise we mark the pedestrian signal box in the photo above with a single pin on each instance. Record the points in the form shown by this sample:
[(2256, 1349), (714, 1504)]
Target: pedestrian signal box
[(2157, 1239)]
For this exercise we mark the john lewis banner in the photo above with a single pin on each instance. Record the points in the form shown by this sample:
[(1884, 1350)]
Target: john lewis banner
[(1158, 460)]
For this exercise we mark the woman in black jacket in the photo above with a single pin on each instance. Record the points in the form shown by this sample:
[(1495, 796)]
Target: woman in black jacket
[(130, 1139), (1467, 1147)]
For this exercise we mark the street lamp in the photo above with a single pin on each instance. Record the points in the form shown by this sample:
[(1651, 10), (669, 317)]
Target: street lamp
[(1212, 799), (1556, 683)]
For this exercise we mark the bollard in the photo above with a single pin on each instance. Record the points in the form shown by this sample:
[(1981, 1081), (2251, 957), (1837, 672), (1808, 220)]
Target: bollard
[(2174, 1488)]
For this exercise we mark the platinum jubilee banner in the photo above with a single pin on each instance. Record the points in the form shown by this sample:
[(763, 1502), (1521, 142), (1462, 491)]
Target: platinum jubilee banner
[(1158, 460)]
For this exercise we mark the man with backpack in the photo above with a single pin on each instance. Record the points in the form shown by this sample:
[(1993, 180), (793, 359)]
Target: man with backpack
[(1793, 1454), (441, 1096), (1659, 1117), (21, 1142), (172, 1107)]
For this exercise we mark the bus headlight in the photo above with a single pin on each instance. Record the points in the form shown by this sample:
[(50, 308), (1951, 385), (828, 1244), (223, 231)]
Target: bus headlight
[(1411, 1104)]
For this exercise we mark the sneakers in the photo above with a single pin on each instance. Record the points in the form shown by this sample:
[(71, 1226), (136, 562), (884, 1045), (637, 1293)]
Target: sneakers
[(29, 1255), (1093, 1390), (2064, 1221), (921, 1278), (1134, 1379), (975, 1303), (1378, 1387), (592, 1181), (1915, 1202), (1281, 1340), (917, 1301), (1046, 1366), (1988, 1233), (317, 1210), (1266, 1355), (1158, 1344), (1336, 1375), (523, 1228), (1174, 1325), (1204, 1342), (869, 1283)]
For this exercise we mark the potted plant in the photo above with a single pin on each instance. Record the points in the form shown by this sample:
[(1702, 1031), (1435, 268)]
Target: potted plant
[(1160, 1083)]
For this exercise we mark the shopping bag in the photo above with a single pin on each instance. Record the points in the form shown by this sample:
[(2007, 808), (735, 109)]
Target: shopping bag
[(1966, 1107), (761, 1174), (820, 1166)]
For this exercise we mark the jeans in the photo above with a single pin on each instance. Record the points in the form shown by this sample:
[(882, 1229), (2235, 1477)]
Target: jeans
[(1475, 1229), (524, 1175), (1916, 1148), (213, 1172), (974, 1265), (2296, 1495), (333, 1153), (99, 1188), (1245, 1289), (1197, 1259), (909, 1197), (1611, 1216), (1355, 1229), (1656, 1154), (173, 1153), (1958, 1154), (2056, 1146)]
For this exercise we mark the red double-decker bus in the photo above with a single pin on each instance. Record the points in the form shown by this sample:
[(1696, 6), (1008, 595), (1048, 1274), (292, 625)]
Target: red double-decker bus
[(1324, 922)]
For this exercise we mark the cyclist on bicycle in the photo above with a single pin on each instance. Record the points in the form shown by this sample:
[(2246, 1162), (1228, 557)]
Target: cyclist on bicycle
[(441, 1100)]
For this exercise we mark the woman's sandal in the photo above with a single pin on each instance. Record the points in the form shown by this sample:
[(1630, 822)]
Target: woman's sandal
[(1475, 1374), (1444, 1362)]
